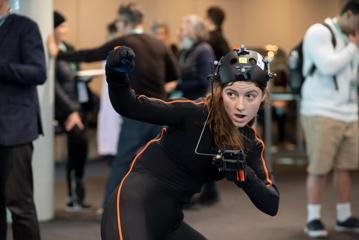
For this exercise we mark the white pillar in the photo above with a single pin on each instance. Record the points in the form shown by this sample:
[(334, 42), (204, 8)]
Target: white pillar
[(41, 11)]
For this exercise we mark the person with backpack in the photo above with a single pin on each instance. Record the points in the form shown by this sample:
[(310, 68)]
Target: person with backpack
[(295, 65), (329, 115)]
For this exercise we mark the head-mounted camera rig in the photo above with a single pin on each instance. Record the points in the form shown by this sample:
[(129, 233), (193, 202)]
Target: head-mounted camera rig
[(242, 65)]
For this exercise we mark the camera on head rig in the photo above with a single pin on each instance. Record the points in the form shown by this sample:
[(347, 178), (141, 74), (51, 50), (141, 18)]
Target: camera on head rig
[(232, 162)]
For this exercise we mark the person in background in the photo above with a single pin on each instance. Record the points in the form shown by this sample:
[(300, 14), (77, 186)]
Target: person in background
[(214, 20), (329, 112), (22, 69), (156, 68), (162, 32), (196, 57), (70, 94)]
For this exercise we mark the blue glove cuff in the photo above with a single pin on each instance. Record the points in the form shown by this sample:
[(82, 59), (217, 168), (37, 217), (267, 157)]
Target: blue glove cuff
[(125, 68)]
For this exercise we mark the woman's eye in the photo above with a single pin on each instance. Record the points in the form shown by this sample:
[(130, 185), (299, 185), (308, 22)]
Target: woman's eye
[(230, 94), (251, 96)]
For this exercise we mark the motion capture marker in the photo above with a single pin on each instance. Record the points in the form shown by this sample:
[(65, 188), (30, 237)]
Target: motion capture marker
[(243, 60), (260, 61)]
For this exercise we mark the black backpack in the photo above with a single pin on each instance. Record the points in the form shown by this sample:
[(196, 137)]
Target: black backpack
[(295, 66)]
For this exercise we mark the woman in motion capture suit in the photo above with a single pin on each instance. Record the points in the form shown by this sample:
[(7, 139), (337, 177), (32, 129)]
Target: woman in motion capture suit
[(205, 140)]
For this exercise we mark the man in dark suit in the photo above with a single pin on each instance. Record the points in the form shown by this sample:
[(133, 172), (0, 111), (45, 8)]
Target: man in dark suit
[(22, 68)]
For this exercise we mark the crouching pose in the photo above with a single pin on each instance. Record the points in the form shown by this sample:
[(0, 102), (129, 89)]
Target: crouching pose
[(205, 140)]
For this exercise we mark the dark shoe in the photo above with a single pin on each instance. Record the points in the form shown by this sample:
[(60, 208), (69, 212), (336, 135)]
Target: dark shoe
[(315, 229), (349, 225)]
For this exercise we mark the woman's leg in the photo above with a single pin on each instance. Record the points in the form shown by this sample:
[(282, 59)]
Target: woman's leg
[(140, 209)]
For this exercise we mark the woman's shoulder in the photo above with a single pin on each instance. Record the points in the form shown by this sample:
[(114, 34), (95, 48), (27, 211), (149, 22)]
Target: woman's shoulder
[(192, 109), (251, 136)]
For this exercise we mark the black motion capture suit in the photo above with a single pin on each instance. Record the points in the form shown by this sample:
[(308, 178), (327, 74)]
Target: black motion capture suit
[(148, 203)]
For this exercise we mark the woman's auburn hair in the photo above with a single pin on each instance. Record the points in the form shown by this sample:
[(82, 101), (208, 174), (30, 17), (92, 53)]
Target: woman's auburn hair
[(225, 133)]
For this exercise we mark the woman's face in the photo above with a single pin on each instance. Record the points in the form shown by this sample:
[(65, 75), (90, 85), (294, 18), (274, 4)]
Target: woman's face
[(241, 101)]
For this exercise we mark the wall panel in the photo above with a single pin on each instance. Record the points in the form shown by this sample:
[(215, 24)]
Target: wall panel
[(253, 22)]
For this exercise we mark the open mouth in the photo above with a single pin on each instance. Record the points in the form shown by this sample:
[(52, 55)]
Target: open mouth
[(240, 116)]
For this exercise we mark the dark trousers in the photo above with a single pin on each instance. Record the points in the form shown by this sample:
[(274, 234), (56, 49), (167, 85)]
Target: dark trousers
[(16, 192), (152, 213), (77, 147), (134, 134)]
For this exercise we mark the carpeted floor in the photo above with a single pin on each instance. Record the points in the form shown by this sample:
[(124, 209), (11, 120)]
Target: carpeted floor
[(234, 217)]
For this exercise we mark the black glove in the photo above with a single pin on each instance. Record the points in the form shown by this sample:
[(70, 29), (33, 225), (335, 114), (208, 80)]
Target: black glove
[(121, 59), (233, 163), (248, 174), (238, 175)]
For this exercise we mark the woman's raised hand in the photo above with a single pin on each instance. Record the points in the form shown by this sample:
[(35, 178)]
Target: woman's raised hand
[(121, 59)]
